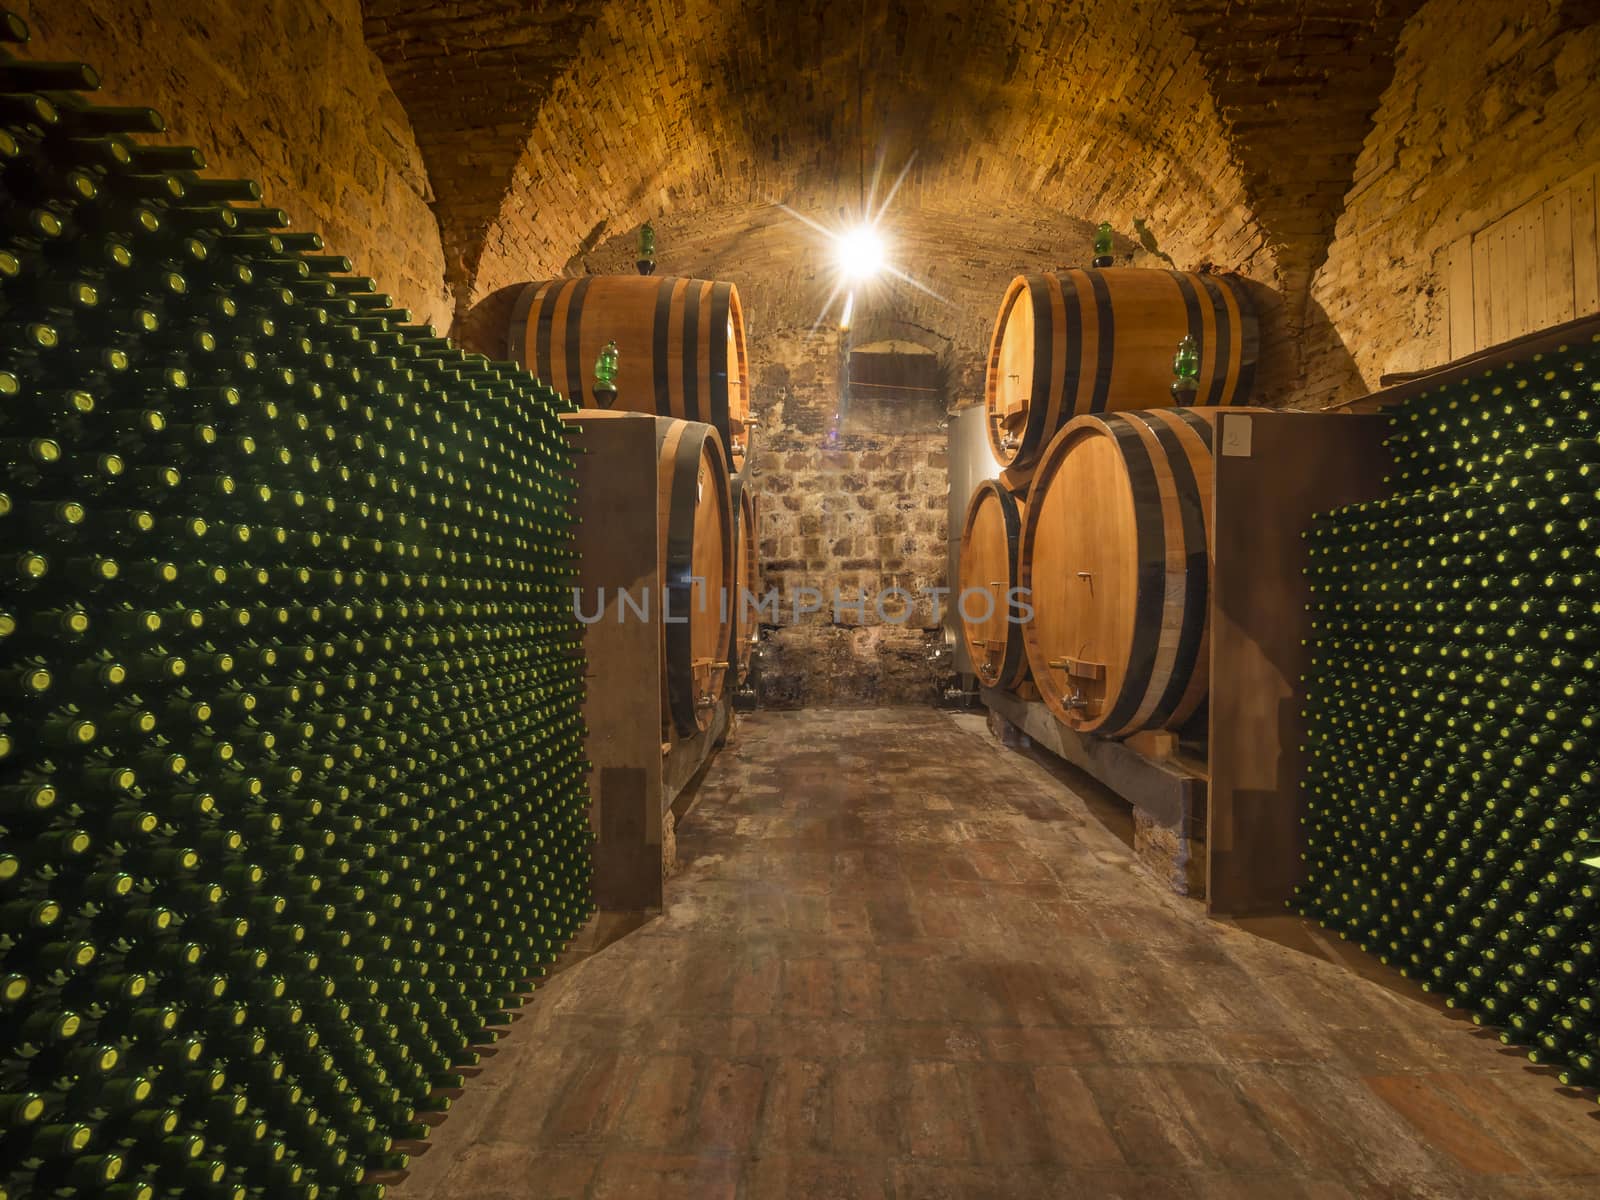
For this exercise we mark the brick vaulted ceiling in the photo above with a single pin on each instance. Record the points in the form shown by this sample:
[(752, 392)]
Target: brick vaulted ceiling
[(1297, 82), (1228, 128)]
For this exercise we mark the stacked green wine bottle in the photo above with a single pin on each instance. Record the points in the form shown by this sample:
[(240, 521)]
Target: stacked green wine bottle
[(292, 791), (1453, 756)]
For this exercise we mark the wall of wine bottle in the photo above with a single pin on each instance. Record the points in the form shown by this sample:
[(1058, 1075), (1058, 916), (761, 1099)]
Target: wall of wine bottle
[(1453, 778), (293, 803)]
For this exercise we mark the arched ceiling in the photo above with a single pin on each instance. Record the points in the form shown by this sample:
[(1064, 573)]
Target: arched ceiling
[(1297, 82), (1228, 129), (473, 77)]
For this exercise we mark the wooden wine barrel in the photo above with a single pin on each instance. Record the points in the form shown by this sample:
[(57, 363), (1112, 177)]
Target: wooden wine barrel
[(694, 564), (1090, 341), (747, 576), (680, 346), (1115, 558), (992, 628)]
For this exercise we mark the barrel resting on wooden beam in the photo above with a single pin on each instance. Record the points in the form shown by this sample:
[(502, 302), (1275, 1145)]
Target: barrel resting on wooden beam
[(1168, 802)]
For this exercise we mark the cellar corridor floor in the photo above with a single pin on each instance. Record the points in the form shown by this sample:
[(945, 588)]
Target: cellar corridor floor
[(899, 960)]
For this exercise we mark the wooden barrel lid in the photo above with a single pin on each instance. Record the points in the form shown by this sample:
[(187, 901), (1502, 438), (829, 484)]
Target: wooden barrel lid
[(990, 622), (695, 560)]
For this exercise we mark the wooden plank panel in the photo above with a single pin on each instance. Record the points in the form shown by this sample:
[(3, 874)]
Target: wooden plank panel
[(1515, 277), (616, 501), (1585, 248), (1458, 294), (1545, 341), (1482, 334), (1499, 309), (1300, 463), (1558, 257), (1533, 264)]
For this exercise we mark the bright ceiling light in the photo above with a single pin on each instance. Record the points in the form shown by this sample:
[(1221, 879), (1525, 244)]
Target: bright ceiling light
[(861, 253)]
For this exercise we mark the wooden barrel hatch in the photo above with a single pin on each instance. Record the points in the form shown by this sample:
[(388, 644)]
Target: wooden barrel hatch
[(680, 345), (695, 561), (746, 591), (1103, 340), (990, 622), (1115, 556)]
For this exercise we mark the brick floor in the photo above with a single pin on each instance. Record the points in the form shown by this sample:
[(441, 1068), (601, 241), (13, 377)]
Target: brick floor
[(902, 962)]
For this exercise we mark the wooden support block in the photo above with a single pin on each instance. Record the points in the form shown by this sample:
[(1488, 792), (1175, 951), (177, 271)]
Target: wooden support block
[(1079, 668), (1154, 743)]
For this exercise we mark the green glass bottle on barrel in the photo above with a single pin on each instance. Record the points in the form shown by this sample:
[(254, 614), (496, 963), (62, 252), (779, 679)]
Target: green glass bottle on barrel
[(605, 375), (1186, 371), (646, 262), (1102, 245)]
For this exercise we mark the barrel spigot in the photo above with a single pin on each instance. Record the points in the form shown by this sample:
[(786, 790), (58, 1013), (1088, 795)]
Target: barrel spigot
[(1075, 700), (1009, 442)]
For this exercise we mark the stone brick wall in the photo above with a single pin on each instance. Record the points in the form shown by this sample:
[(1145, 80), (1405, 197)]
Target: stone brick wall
[(852, 506), (286, 94), (1492, 103)]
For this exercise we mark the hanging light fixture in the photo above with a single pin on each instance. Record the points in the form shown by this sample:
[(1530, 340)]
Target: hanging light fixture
[(861, 253)]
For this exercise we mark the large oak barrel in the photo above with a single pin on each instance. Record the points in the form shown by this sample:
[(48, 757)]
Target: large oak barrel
[(694, 566), (1115, 558), (990, 622), (746, 592), (1103, 340), (680, 345)]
